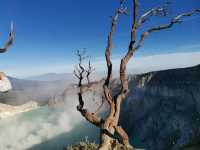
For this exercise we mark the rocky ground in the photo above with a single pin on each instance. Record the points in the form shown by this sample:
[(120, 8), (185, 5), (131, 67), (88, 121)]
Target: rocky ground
[(86, 145)]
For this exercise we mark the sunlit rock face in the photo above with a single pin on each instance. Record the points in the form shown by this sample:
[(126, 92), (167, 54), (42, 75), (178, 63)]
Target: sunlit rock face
[(5, 84)]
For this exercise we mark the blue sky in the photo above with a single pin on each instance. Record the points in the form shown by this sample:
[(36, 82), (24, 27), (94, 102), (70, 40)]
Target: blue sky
[(48, 32)]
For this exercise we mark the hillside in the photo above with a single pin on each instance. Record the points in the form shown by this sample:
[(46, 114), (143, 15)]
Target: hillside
[(8, 110), (29, 90), (162, 110)]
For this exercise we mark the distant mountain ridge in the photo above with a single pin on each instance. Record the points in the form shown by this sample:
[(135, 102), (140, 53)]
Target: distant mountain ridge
[(29, 90), (53, 77)]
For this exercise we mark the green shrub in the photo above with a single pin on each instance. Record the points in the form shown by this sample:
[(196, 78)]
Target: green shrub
[(83, 145)]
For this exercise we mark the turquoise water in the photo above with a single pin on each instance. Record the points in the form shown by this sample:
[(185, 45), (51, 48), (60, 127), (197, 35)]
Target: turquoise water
[(44, 128)]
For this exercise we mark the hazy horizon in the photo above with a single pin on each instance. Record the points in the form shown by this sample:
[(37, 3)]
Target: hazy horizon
[(139, 64), (47, 34)]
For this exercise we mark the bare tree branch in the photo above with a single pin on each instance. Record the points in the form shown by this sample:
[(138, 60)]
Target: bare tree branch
[(79, 73), (9, 41), (157, 11), (175, 20), (124, 90), (109, 126), (134, 24), (124, 82), (119, 11), (89, 71), (124, 136), (100, 106), (107, 89)]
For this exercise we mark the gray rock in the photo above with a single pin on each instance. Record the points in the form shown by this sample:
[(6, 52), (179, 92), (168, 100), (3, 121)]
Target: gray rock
[(162, 110)]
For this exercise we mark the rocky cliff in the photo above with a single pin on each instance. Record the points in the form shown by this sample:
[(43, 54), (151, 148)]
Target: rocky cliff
[(24, 91), (162, 110), (9, 110)]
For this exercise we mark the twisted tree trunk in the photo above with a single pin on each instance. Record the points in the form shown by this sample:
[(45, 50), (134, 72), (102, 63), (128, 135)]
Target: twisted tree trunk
[(109, 127)]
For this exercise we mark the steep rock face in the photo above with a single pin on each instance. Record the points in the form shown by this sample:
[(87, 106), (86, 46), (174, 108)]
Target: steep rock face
[(9, 110), (26, 90), (162, 110)]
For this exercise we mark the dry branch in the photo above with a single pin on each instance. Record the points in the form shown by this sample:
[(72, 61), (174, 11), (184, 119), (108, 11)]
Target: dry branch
[(107, 88), (89, 71), (110, 125), (175, 20), (79, 73), (9, 41), (157, 11)]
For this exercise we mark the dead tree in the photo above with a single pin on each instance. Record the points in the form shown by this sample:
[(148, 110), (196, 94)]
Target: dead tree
[(9, 42), (110, 124), (5, 84)]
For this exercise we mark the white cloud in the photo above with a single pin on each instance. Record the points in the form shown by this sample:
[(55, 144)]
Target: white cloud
[(155, 62), (136, 64), (166, 61)]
